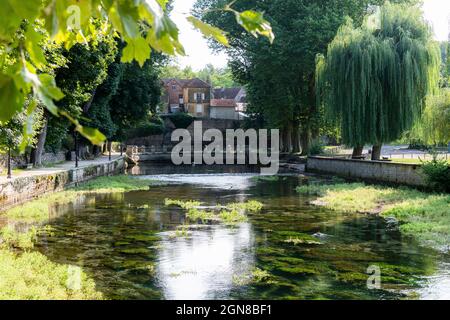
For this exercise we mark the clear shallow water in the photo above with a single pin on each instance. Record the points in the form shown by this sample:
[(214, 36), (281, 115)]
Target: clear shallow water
[(127, 243)]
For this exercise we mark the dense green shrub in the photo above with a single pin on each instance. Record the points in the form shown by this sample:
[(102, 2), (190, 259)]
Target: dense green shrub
[(145, 130), (437, 174), (316, 148), (418, 145), (181, 120)]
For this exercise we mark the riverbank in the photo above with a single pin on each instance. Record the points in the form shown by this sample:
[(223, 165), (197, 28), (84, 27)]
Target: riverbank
[(27, 274), (29, 184), (423, 216)]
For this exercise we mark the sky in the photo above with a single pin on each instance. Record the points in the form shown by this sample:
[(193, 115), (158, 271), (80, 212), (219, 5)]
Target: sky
[(437, 12)]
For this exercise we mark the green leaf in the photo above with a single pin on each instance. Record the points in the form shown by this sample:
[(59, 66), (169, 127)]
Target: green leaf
[(9, 21), (136, 49), (24, 9), (128, 16), (209, 31), (255, 23), (32, 44), (47, 91), (94, 135), (11, 99)]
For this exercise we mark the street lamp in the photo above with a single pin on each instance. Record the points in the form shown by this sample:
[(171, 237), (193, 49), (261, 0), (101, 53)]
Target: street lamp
[(9, 163), (76, 149)]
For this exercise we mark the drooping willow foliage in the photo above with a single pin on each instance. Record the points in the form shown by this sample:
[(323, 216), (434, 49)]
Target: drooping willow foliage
[(434, 125), (375, 79)]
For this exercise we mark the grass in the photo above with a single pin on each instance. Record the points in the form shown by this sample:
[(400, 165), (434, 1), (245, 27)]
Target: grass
[(114, 184), (423, 216), (412, 161), (39, 210), (31, 275)]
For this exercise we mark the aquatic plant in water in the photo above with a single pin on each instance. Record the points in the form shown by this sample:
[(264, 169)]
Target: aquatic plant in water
[(231, 214), (182, 204), (251, 206), (256, 276)]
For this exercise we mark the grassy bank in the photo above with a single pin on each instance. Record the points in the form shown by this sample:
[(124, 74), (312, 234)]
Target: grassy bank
[(31, 275), (38, 211), (423, 216)]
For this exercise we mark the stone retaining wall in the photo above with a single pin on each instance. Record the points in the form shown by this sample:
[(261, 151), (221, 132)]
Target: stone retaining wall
[(21, 189), (377, 171), (18, 161), (50, 157)]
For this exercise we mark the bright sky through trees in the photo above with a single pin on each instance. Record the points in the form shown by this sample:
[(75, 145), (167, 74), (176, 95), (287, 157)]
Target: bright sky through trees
[(198, 53)]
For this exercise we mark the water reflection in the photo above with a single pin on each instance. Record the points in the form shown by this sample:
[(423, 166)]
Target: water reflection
[(203, 266), (225, 181)]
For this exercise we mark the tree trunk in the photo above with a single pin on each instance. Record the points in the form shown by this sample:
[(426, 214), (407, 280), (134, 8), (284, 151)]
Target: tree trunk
[(376, 152), (305, 141), (287, 139), (357, 151), (296, 146), (36, 153)]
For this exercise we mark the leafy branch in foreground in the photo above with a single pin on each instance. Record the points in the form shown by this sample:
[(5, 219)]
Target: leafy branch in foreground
[(143, 24)]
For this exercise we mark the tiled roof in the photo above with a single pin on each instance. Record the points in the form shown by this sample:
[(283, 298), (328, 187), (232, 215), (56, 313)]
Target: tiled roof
[(188, 83), (226, 93), (228, 103)]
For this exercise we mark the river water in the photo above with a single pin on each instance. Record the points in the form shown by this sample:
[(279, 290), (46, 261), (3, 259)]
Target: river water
[(128, 243)]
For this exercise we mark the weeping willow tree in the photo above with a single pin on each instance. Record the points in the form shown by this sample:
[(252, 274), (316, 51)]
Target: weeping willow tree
[(375, 79), (434, 125)]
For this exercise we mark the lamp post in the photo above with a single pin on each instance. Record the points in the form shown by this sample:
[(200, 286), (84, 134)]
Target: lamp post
[(76, 149), (9, 163), (109, 151)]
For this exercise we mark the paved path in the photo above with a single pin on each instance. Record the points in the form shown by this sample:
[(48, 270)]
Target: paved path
[(65, 166), (401, 151)]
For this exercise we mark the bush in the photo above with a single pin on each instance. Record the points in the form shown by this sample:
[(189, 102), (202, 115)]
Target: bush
[(437, 174), (181, 120), (418, 145), (316, 148), (145, 130)]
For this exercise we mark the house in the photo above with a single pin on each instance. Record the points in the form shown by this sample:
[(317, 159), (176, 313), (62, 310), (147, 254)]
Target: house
[(228, 103), (223, 109), (187, 95), (194, 96)]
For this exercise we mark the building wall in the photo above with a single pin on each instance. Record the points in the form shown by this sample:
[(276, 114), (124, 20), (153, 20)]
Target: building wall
[(174, 93), (377, 171), (191, 102), (222, 113)]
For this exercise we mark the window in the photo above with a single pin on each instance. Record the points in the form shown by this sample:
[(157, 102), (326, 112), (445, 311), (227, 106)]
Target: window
[(203, 96), (199, 108), (174, 87)]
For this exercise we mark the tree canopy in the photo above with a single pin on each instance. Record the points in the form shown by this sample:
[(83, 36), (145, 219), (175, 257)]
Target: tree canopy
[(144, 25), (280, 77), (217, 77), (375, 78)]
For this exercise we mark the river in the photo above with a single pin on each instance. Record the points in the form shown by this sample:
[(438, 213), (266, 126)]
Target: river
[(128, 243)]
